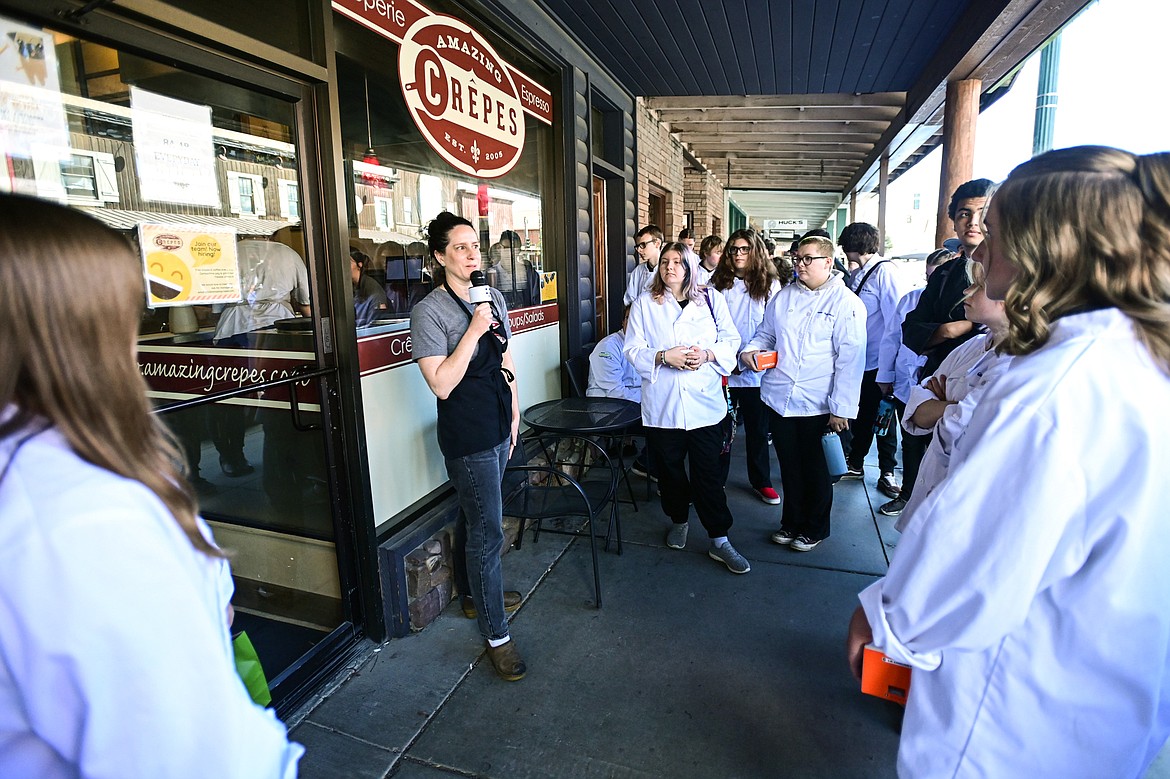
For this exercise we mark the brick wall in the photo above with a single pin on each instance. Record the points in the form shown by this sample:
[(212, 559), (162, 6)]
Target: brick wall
[(704, 196), (660, 162)]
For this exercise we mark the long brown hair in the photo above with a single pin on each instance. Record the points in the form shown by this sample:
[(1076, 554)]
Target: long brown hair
[(759, 272), (71, 297), (1087, 227)]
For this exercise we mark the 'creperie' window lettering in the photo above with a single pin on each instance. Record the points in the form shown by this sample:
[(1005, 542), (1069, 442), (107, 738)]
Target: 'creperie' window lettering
[(386, 10)]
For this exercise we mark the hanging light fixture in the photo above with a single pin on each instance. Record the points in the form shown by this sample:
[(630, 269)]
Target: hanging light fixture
[(370, 158)]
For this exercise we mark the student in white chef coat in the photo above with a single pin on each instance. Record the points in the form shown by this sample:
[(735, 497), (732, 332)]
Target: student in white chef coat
[(1029, 589), (940, 406), (647, 246), (682, 341), (817, 328), (747, 278), (907, 366), (115, 651), (710, 251)]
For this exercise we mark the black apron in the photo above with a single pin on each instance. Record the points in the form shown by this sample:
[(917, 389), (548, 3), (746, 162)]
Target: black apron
[(477, 415)]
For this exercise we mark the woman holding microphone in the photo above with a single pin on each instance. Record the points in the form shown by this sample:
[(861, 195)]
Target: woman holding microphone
[(460, 342), (817, 328), (682, 341), (747, 278)]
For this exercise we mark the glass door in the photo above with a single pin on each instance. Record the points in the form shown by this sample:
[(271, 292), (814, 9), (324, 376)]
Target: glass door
[(205, 176)]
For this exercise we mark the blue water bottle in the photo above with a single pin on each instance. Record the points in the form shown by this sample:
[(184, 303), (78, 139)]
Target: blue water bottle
[(834, 455), (885, 416)]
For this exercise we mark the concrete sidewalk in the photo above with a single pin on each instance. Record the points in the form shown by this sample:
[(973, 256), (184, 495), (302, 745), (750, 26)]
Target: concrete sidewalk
[(687, 671)]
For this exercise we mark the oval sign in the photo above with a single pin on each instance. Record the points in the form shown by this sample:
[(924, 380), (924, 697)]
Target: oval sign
[(461, 96)]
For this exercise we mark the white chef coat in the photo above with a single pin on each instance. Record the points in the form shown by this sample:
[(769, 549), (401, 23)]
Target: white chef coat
[(639, 281), (1030, 589), (819, 337), (969, 369), (881, 293), (704, 275), (272, 278), (115, 658), (747, 313), (610, 373), (674, 398), (906, 361)]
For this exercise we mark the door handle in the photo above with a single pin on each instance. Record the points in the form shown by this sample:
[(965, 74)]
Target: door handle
[(294, 405)]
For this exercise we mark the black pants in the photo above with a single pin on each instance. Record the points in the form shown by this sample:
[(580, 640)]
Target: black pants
[(913, 450), (755, 432), (672, 451), (862, 429), (808, 490)]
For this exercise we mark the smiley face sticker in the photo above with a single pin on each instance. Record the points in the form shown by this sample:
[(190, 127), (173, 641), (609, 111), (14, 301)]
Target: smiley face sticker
[(168, 276)]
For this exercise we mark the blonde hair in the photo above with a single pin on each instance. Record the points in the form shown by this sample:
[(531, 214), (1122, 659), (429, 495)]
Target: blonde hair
[(825, 245), (1087, 227), (70, 358)]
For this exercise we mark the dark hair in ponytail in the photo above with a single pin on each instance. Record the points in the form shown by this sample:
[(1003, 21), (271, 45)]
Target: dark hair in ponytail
[(438, 233)]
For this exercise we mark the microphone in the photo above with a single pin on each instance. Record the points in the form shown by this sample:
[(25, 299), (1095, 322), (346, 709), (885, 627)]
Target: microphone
[(480, 292)]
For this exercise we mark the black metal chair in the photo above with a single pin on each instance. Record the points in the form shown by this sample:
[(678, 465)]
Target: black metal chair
[(578, 370), (551, 493)]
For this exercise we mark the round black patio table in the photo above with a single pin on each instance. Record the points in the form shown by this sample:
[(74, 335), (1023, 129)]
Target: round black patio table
[(583, 416)]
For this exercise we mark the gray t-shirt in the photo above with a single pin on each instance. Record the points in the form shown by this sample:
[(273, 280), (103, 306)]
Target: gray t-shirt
[(437, 324)]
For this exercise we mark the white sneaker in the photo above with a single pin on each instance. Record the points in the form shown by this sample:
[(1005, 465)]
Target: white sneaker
[(726, 554)]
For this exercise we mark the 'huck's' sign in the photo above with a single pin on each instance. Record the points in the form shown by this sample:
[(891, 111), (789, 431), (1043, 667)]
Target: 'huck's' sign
[(466, 101)]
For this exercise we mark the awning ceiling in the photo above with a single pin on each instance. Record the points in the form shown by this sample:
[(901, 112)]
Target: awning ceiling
[(121, 219), (805, 95)]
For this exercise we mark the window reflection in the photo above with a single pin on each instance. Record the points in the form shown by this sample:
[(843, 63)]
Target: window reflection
[(399, 184)]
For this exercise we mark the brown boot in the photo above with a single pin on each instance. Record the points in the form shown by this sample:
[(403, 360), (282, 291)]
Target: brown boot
[(512, 600), (506, 660)]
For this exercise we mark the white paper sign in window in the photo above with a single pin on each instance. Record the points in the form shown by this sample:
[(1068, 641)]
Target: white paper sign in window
[(174, 150), (32, 116)]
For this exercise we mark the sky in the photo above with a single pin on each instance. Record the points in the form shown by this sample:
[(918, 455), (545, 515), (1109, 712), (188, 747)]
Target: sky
[(1111, 91)]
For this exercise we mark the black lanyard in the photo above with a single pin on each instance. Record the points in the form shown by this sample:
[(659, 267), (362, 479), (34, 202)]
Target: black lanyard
[(498, 330)]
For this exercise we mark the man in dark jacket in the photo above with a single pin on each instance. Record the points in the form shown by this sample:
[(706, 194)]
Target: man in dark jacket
[(938, 325)]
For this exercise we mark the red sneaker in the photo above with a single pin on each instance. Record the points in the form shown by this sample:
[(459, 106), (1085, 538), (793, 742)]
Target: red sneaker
[(768, 495)]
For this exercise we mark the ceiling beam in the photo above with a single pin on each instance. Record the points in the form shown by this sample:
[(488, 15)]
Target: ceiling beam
[(871, 113), (778, 101), (771, 144), (842, 140), (845, 126), (739, 154)]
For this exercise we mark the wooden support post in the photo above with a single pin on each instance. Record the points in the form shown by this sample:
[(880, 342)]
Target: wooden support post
[(958, 162), (853, 206), (883, 185)]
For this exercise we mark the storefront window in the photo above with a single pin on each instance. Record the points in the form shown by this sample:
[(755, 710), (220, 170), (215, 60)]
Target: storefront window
[(400, 182), (202, 176)]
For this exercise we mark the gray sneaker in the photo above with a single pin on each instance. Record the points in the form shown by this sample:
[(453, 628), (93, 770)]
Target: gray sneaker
[(726, 554), (676, 537)]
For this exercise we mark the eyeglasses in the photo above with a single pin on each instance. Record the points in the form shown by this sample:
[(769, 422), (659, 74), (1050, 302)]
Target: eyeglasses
[(644, 244), (806, 260), (734, 250)]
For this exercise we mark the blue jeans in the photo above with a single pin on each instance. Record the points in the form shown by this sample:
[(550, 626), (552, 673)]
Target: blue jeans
[(480, 532)]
